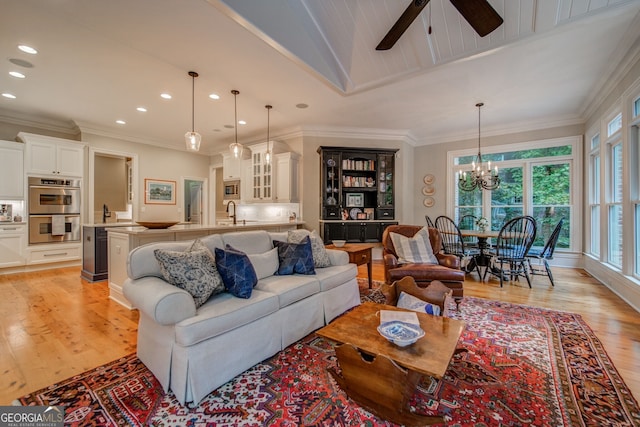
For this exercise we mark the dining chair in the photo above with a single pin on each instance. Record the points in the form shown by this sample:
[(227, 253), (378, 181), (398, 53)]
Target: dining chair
[(512, 245), (453, 243), (544, 255), (468, 222), (429, 221)]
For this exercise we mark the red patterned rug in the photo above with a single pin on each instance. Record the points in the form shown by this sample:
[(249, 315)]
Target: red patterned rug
[(524, 366)]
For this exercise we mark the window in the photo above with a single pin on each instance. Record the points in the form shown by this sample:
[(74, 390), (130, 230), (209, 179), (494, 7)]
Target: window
[(614, 125), (551, 197), (535, 181), (594, 196), (615, 205)]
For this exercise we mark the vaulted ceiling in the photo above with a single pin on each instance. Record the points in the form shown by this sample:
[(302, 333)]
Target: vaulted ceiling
[(99, 60)]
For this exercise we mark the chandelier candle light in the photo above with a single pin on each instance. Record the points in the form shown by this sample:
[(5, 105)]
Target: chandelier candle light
[(480, 176), (267, 155), (235, 148), (193, 138)]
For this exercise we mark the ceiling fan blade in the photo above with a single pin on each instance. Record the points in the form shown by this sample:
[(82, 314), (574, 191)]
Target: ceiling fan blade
[(479, 14), (401, 25)]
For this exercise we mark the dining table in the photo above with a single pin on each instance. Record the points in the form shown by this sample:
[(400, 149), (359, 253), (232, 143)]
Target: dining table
[(483, 258)]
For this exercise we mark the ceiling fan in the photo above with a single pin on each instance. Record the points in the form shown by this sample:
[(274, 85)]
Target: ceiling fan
[(478, 13)]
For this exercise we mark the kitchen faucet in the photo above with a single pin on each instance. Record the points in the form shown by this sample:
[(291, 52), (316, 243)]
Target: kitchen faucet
[(234, 216), (105, 213)]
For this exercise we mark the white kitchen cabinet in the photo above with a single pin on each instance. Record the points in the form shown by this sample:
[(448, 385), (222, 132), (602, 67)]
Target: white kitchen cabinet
[(12, 167), (12, 245), (53, 253), (261, 178), (231, 166), (286, 166), (53, 156)]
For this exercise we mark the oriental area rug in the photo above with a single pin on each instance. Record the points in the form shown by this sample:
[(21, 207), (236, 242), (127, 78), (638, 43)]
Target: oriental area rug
[(523, 366)]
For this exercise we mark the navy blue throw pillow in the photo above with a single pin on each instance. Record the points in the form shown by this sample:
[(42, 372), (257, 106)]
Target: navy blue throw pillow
[(238, 275), (295, 257)]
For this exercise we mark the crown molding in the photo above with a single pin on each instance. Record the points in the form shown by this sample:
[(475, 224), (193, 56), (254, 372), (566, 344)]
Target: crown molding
[(60, 126)]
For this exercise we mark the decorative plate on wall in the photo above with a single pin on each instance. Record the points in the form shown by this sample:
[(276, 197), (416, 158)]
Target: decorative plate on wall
[(429, 179), (429, 202), (428, 190)]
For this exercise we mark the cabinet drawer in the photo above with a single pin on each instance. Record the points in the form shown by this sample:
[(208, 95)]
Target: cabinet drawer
[(359, 258), (43, 256)]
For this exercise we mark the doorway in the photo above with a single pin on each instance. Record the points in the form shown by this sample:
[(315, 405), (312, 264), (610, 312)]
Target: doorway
[(193, 201), (112, 186)]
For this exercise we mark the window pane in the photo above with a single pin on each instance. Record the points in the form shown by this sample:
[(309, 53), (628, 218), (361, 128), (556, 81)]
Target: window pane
[(616, 175), (564, 150), (595, 230), (595, 141), (615, 235), (552, 184), (547, 217), (637, 240), (636, 108), (614, 125), (506, 201), (595, 179)]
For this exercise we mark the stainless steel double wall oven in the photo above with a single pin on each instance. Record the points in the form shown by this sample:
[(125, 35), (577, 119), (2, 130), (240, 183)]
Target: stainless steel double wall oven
[(54, 210)]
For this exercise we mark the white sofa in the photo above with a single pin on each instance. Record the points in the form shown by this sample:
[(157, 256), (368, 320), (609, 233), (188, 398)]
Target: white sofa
[(194, 351)]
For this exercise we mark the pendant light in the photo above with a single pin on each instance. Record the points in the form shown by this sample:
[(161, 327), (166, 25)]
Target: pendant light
[(268, 154), (235, 148), (481, 176), (193, 138)]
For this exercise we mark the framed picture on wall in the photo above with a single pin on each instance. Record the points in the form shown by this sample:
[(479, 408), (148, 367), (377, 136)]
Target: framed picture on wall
[(159, 192)]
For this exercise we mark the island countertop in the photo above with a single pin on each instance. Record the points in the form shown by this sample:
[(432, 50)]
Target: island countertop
[(211, 229)]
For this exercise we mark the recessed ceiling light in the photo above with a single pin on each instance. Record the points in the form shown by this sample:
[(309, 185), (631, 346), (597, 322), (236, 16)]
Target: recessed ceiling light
[(165, 95), (142, 109), (214, 96), (21, 62), (17, 74), (228, 126), (302, 105), (242, 122), (9, 95), (121, 122), (27, 49)]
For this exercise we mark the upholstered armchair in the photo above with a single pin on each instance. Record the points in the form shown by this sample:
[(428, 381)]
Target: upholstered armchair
[(442, 267)]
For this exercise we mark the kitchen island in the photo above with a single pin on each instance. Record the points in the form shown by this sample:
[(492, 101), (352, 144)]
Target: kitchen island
[(121, 240)]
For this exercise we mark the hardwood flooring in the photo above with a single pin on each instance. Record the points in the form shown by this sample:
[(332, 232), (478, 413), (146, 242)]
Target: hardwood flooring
[(55, 324)]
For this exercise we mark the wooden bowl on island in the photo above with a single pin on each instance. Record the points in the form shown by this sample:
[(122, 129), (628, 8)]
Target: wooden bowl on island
[(156, 224)]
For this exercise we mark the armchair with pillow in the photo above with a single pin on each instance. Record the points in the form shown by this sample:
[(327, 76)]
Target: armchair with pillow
[(414, 250)]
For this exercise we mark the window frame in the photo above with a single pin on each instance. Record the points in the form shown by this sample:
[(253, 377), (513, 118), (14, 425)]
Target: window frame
[(575, 159)]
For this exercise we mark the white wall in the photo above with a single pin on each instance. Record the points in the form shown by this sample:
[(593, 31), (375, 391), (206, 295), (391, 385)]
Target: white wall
[(156, 163)]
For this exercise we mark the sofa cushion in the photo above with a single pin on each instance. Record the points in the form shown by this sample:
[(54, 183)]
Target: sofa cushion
[(410, 302), (141, 261), (320, 256), (224, 313), (335, 276), (238, 275), (193, 270), (249, 242), (290, 288), (295, 257), (265, 264), (416, 249)]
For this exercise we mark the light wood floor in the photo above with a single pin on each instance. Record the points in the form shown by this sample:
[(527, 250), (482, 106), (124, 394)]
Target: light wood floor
[(55, 325)]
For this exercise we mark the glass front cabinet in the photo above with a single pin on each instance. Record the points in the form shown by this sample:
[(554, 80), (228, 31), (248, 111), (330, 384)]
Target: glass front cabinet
[(357, 193)]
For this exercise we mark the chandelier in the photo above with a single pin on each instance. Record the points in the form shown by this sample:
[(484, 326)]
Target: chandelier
[(481, 176), (192, 138), (235, 148)]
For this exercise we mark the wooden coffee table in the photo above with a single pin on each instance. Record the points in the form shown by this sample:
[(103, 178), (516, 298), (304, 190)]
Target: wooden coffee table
[(359, 253), (381, 376)]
